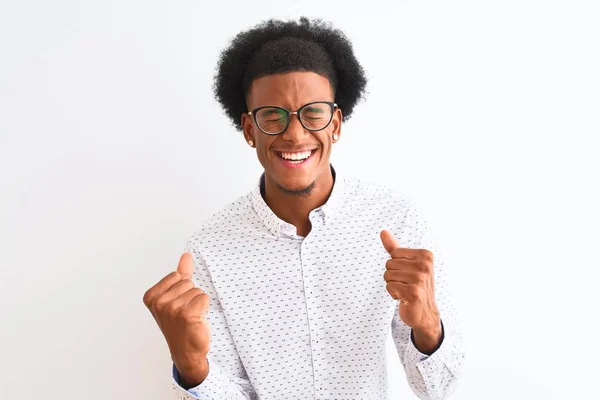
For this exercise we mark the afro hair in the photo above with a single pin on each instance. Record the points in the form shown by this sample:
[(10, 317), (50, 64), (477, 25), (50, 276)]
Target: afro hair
[(276, 46)]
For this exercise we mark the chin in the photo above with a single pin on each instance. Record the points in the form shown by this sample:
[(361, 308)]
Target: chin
[(295, 186)]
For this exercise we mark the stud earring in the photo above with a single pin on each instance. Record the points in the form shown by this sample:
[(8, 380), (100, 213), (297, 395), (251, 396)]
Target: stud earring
[(251, 143), (336, 136)]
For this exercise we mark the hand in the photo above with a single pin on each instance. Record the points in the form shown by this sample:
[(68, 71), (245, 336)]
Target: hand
[(409, 277), (179, 309)]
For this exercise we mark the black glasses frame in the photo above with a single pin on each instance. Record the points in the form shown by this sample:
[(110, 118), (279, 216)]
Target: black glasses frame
[(289, 116)]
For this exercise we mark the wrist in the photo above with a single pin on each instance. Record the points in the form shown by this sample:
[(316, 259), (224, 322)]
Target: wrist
[(433, 329), (192, 375), (428, 339)]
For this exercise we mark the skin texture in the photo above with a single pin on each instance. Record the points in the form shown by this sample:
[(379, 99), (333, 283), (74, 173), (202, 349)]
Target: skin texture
[(409, 277), (293, 193), (179, 308)]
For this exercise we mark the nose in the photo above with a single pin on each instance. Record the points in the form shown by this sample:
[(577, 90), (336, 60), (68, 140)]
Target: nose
[(295, 132)]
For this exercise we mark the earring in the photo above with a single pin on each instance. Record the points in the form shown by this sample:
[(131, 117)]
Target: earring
[(336, 136), (251, 143)]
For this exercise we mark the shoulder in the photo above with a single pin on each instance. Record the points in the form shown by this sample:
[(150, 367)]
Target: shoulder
[(385, 197), (222, 224), (397, 211)]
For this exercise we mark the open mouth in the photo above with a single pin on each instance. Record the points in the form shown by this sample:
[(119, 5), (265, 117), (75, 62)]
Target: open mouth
[(296, 158)]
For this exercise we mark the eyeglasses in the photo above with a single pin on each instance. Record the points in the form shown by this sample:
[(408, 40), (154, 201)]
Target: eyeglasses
[(273, 120)]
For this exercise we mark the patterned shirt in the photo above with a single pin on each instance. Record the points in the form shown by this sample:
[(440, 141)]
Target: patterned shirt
[(302, 318)]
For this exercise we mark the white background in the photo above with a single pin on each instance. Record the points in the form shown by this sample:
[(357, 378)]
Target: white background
[(112, 151)]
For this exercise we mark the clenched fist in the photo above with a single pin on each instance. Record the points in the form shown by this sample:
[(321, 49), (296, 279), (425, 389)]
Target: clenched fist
[(179, 309), (409, 277)]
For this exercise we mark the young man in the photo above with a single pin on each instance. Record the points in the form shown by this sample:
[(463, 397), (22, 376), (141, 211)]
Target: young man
[(290, 292)]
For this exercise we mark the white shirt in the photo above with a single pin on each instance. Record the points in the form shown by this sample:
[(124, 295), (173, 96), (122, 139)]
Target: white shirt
[(302, 318)]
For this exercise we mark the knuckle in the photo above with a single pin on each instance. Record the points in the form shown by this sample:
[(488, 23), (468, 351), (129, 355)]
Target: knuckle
[(391, 288), (188, 314), (426, 255), (187, 284), (147, 297), (397, 253), (422, 266), (160, 303), (170, 309), (175, 274), (204, 299), (421, 277), (389, 264)]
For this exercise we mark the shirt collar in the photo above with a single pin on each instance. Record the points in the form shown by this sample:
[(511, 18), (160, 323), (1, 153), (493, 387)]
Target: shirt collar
[(278, 226)]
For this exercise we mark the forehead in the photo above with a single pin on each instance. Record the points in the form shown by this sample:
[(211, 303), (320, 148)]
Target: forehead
[(290, 90)]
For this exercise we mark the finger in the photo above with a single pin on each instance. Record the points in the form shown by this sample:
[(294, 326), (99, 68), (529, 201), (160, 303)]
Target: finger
[(396, 276), (201, 302), (404, 277), (186, 298), (404, 253), (403, 264), (388, 240), (186, 265), (396, 290), (174, 292), (161, 287), (401, 291)]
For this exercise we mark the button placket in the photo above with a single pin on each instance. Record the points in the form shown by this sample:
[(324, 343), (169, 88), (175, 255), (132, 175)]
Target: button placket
[(312, 304)]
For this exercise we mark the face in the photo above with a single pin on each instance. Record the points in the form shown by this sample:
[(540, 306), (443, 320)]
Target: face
[(292, 90)]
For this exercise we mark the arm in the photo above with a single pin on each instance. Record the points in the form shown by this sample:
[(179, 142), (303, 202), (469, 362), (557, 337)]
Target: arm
[(432, 369), (227, 378)]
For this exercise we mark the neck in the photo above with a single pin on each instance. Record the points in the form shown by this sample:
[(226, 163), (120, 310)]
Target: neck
[(295, 208)]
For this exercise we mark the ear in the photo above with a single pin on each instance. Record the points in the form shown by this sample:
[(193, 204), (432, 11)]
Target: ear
[(247, 127), (336, 122)]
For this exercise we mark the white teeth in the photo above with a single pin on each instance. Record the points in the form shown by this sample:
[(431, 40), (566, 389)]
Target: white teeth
[(296, 156)]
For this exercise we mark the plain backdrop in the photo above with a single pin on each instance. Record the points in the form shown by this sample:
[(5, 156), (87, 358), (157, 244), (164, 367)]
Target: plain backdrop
[(113, 151)]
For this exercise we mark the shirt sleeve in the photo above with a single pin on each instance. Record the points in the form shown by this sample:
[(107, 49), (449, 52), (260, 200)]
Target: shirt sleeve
[(432, 376), (227, 378)]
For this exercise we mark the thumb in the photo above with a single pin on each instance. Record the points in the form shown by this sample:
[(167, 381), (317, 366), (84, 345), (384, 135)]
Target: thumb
[(186, 265), (389, 241)]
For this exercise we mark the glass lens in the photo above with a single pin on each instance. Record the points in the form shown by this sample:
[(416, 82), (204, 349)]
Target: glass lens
[(271, 119), (316, 115)]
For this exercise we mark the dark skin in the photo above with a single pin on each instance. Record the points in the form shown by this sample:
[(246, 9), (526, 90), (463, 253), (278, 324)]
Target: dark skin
[(286, 193), (292, 193), (179, 308)]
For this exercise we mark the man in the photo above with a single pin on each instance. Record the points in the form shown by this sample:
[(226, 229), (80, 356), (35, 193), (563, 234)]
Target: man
[(290, 291)]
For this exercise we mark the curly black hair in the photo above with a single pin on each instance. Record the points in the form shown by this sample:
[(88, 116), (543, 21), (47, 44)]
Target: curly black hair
[(276, 46)]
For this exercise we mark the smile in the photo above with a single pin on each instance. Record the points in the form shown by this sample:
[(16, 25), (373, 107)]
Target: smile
[(296, 158)]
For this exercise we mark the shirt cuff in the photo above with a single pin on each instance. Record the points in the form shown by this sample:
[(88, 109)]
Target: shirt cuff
[(429, 364), (413, 354), (213, 387)]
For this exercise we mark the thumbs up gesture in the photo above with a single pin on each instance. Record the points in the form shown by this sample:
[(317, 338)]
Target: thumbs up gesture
[(179, 309), (409, 277)]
